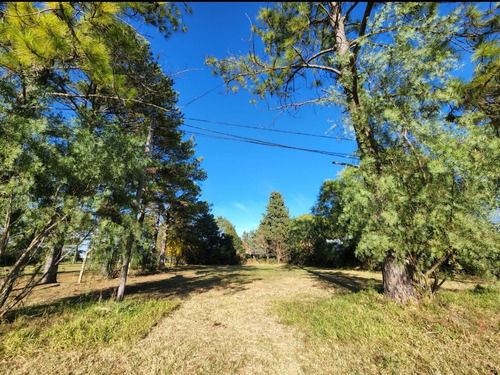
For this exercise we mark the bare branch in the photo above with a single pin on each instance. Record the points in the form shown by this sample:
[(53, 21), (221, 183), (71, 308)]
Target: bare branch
[(297, 104), (320, 67), (320, 53), (29, 14), (435, 267), (424, 178)]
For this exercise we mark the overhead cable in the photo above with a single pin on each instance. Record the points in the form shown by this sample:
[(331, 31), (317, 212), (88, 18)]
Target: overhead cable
[(267, 129), (233, 137)]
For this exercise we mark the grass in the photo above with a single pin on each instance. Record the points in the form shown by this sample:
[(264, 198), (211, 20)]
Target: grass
[(85, 325), (457, 333), (254, 319)]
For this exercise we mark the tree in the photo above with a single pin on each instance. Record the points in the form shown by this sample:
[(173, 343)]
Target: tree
[(302, 239), (275, 226), (85, 159), (254, 243), (337, 239), (234, 243), (388, 66), (204, 242)]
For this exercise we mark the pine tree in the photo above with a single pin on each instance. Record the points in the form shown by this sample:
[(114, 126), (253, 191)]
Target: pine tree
[(275, 226), (232, 240)]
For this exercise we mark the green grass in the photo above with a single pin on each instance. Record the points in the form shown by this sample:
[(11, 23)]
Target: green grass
[(456, 333), (89, 325)]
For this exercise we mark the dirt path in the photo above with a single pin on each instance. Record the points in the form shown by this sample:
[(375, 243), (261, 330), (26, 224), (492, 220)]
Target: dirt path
[(229, 329)]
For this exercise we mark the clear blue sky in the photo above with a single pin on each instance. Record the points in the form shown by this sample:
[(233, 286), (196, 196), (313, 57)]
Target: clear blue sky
[(241, 176)]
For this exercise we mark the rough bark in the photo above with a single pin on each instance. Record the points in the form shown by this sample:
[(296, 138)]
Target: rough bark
[(161, 258), (52, 265), (4, 238), (397, 281), (15, 271), (124, 269)]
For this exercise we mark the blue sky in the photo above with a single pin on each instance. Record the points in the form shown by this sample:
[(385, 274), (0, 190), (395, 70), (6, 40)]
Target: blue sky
[(241, 176)]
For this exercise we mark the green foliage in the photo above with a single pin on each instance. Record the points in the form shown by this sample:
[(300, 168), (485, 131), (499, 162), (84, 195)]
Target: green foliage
[(205, 243), (112, 158), (254, 244), (321, 239), (232, 239), (275, 227), (301, 239)]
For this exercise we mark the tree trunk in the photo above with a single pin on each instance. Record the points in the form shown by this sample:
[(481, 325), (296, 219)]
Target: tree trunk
[(52, 264), (124, 270), (161, 258), (9, 279), (157, 231), (397, 281), (4, 238), (53, 259), (80, 277), (131, 240), (75, 256)]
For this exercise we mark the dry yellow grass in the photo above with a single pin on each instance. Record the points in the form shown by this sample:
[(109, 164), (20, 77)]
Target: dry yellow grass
[(226, 323)]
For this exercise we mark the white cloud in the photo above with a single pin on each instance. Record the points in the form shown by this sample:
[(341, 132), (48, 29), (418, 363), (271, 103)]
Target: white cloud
[(242, 207)]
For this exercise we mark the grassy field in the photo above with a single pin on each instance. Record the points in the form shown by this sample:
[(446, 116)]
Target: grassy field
[(253, 319)]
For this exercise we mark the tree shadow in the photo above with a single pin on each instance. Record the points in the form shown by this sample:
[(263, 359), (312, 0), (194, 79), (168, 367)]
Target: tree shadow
[(346, 283), (169, 285)]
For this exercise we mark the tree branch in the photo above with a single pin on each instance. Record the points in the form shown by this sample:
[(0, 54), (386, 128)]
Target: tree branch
[(111, 97), (345, 164), (351, 9), (445, 256)]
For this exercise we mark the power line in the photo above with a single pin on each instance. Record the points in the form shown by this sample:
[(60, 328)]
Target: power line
[(269, 130), (226, 136)]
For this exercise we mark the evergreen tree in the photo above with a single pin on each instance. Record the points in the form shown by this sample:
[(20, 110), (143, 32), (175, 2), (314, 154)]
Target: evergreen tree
[(234, 244), (275, 226)]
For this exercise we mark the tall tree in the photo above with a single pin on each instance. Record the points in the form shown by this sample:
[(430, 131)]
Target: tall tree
[(234, 243), (86, 157), (302, 239), (275, 226), (388, 67), (337, 239)]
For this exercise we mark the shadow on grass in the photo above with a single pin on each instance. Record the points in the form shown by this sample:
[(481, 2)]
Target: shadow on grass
[(345, 282), (168, 285)]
